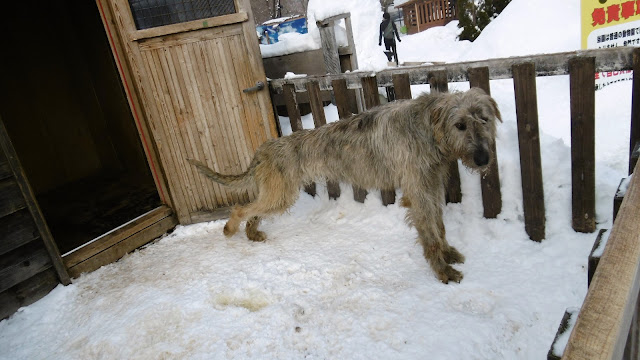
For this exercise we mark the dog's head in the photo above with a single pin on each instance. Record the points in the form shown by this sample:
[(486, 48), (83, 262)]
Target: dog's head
[(464, 126)]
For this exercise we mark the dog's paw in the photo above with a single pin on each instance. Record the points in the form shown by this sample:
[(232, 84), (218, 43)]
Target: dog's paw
[(449, 274), (229, 230), (257, 236), (453, 256)]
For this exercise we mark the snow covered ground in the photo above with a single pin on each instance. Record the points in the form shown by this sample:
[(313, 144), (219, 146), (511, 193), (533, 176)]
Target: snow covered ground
[(343, 280)]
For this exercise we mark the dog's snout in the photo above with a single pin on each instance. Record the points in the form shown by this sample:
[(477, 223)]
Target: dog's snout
[(481, 157)]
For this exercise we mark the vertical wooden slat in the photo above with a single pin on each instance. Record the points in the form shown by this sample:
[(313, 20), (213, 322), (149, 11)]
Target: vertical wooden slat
[(319, 119), (439, 83), (371, 100), (315, 100), (329, 47), (635, 106), (401, 86), (524, 82), (583, 170), (293, 111), (343, 103), (490, 179)]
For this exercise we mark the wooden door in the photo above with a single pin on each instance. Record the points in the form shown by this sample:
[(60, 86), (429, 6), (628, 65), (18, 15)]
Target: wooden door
[(190, 70)]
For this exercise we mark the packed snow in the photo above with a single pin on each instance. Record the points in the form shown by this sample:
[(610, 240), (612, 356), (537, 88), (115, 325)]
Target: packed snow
[(344, 280)]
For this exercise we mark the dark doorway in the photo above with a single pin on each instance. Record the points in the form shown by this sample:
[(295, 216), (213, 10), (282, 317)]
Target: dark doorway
[(66, 112)]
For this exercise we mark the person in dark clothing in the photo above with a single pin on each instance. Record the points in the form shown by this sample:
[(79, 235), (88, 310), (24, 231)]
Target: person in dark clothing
[(387, 31)]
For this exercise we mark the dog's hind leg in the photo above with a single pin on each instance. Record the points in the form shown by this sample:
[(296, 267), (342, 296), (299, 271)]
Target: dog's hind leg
[(252, 229), (275, 195)]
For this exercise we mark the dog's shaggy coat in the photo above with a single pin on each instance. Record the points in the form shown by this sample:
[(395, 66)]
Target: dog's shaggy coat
[(406, 144)]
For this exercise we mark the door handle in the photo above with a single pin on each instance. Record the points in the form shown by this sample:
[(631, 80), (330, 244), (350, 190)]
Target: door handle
[(259, 86)]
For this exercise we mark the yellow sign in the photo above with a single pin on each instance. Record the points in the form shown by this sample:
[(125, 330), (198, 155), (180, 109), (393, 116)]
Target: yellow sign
[(610, 23)]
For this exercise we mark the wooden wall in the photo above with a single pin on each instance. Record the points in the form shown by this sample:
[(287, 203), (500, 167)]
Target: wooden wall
[(28, 270)]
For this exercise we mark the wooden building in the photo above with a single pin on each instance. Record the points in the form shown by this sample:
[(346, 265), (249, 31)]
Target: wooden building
[(421, 15), (103, 102)]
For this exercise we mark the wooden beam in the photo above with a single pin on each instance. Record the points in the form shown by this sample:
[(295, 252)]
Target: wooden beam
[(583, 138), (620, 58), (189, 26), (524, 82), (115, 236), (605, 317)]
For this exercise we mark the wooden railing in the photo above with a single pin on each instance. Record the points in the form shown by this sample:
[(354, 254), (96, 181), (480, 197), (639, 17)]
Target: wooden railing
[(602, 325), (422, 14)]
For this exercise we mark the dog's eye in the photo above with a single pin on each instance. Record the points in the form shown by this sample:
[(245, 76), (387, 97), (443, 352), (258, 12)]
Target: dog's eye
[(461, 126)]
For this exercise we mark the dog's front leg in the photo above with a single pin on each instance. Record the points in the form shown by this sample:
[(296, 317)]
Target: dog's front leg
[(426, 216)]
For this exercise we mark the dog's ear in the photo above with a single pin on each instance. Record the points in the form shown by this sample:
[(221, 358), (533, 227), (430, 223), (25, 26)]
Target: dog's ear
[(495, 108)]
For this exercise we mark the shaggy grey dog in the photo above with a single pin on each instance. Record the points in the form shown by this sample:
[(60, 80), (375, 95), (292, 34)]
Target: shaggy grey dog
[(406, 144)]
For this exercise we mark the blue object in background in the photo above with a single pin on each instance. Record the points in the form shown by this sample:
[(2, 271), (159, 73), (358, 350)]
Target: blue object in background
[(270, 32)]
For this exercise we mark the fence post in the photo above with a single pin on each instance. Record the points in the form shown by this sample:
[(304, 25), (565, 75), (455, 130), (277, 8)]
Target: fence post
[(490, 179), (438, 82), (293, 111), (524, 83), (319, 119), (401, 86), (583, 170)]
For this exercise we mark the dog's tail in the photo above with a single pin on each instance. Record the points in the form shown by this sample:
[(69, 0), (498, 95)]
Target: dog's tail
[(240, 180)]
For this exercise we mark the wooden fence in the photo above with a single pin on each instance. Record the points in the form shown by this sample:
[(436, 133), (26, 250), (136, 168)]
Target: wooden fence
[(421, 15), (581, 67)]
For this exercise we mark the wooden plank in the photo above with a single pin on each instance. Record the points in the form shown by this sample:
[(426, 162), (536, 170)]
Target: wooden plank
[(583, 139), (619, 58), (635, 106), (490, 179), (319, 119), (22, 263), (5, 170), (401, 86), (116, 235), (11, 199), (606, 314), (292, 108), (188, 26), (27, 292), (439, 83), (329, 47), (342, 96), (123, 247), (315, 100), (16, 230), (524, 82)]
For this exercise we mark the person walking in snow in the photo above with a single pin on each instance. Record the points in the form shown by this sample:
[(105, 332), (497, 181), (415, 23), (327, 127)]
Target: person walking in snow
[(387, 31)]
